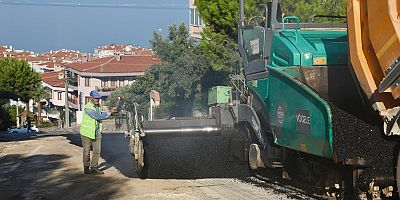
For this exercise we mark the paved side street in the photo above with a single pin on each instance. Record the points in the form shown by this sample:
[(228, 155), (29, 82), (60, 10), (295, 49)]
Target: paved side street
[(48, 166)]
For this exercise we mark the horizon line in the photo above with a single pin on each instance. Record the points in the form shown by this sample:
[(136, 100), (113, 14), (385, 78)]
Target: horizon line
[(142, 6)]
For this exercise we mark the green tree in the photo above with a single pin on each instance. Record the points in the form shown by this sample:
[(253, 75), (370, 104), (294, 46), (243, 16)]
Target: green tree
[(39, 95), (182, 65), (8, 114), (218, 37), (5, 120), (219, 41), (221, 16), (18, 80), (306, 9)]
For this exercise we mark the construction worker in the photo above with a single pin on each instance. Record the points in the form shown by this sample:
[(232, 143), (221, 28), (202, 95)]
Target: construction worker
[(90, 131)]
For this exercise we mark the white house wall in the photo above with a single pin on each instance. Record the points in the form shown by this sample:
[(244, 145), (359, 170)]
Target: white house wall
[(96, 82), (93, 82), (55, 99)]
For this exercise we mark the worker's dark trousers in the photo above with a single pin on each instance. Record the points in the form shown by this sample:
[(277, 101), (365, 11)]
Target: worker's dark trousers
[(96, 145)]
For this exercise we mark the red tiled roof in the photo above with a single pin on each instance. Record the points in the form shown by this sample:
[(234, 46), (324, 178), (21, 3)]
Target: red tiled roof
[(47, 64), (69, 54), (23, 54), (63, 55), (37, 59), (2, 49), (51, 64), (142, 52), (51, 78), (127, 64)]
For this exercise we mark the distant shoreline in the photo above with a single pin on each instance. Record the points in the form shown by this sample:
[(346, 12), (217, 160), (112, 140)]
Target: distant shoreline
[(141, 6), (45, 25)]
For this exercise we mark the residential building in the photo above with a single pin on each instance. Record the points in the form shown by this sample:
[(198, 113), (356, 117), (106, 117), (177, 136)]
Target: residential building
[(50, 65), (54, 60), (64, 55), (53, 82), (3, 48), (5, 51), (196, 24), (117, 49), (105, 75), (46, 62), (119, 66)]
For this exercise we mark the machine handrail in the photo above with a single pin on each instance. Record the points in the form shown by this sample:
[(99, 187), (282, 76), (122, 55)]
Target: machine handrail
[(290, 30)]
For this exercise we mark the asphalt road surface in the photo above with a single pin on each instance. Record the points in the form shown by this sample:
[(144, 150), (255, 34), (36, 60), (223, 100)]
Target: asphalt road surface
[(49, 166)]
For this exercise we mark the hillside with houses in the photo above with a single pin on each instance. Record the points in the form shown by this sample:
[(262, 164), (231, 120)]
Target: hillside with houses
[(107, 69)]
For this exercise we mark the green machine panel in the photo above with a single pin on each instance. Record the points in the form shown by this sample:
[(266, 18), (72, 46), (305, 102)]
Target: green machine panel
[(300, 118), (309, 48), (219, 94)]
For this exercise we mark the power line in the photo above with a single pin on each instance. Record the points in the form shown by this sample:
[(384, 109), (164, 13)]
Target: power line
[(136, 6)]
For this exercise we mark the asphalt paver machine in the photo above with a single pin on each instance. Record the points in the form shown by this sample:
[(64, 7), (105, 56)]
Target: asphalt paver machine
[(319, 101)]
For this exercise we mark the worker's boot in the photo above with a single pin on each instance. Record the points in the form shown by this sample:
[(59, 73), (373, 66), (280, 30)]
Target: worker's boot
[(95, 171), (86, 170)]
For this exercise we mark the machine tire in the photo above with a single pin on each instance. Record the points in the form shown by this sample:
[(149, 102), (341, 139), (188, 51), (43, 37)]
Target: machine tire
[(249, 139)]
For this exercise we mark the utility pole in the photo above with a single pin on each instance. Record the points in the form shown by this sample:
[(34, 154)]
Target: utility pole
[(17, 113), (66, 97)]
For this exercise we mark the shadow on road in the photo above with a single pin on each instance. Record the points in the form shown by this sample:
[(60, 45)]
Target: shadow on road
[(7, 137), (114, 151), (47, 177), (178, 158)]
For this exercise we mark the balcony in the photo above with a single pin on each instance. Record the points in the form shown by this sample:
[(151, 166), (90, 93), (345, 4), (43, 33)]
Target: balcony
[(56, 102), (73, 87), (73, 102), (106, 88), (73, 105)]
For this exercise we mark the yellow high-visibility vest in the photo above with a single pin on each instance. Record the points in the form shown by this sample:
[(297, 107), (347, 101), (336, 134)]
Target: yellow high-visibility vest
[(88, 126)]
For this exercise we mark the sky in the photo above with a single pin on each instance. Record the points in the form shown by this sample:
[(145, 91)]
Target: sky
[(44, 25)]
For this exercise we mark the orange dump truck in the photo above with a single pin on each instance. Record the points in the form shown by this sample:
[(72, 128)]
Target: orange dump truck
[(374, 48), (374, 42)]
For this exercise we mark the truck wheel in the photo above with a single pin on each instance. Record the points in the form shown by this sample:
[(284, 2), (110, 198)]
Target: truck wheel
[(250, 148)]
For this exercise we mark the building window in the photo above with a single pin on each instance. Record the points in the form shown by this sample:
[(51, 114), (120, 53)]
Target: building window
[(87, 82), (113, 82), (195, 19), (59, 95), (87, 99), (192, 19), (121, 83), (104, 82)]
